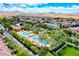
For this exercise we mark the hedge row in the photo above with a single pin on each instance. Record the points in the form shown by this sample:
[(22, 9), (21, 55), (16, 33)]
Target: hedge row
[(16, 49)]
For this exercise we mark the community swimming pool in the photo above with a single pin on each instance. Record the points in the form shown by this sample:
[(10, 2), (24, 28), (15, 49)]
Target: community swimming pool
[(34, 38), (24, 33), (37, 38)]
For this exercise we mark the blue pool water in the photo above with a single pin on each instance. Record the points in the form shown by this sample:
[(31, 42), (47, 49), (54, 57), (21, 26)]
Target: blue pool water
[(37, 38), (44, 42), (25, 33)]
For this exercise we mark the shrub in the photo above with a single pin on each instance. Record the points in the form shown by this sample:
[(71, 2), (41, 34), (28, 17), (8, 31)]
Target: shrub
[(25, 42), (43, 52), (49, 54), (35, 49), (16, 49), (27, 27)]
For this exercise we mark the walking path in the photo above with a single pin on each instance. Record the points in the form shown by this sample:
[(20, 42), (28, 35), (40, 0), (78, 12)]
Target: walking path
[(17, 42)]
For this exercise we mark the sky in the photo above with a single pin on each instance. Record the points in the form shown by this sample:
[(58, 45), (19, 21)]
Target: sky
[(40, 7)]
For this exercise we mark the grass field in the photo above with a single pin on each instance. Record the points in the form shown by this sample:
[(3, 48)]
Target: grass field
[(69, 51)]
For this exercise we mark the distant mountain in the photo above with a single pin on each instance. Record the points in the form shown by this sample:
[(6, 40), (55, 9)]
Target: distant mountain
[(50, 14)]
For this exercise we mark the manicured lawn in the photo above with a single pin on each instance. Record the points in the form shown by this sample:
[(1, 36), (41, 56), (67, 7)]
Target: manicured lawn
[(69, 51)]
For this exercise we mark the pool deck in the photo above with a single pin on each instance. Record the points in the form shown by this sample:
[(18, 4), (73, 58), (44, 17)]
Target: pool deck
[(30, 37)]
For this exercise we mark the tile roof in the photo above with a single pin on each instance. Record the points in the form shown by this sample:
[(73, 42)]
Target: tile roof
[(74, 28), (4, 51)]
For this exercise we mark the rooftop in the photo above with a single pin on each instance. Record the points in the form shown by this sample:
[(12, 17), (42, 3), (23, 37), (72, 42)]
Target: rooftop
[(4, 51), (74, 28)]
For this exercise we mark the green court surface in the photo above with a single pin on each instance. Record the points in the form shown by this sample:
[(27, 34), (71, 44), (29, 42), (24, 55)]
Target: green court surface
[(69, 51)]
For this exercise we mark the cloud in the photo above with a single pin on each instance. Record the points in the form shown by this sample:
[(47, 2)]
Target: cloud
[(27, 8)]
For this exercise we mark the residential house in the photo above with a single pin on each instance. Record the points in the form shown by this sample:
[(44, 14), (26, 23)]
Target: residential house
[(53, 24), (4, 50), (16, 27), (75, 29)]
